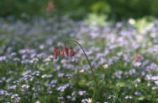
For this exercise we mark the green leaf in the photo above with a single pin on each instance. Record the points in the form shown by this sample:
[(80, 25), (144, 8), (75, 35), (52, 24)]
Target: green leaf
[(141, 98), (121, 84)]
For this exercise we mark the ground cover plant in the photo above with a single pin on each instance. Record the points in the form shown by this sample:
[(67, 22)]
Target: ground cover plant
[(124, 57)]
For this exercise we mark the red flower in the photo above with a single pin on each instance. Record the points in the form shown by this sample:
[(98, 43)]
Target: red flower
[(55, 53), (72, 53), (66, 51), (62, 53), (137, 58), (50, 6)]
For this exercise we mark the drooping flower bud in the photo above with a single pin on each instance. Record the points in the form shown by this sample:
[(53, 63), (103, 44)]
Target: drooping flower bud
[(55, 53), (137, 58), (72, 53), (50, 7), (62, 53), (66, 51)]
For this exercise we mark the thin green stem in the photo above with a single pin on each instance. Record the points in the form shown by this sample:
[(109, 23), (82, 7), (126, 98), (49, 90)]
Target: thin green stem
[(90, 65)]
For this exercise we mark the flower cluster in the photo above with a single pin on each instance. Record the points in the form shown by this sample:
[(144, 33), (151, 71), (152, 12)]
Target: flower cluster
[(62, 52)]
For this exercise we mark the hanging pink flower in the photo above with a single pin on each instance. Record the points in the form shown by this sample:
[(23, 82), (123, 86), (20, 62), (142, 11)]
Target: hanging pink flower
[(55, 53), (72, 53), (50, 6), (137, 58), (66, 51), (62, 53)]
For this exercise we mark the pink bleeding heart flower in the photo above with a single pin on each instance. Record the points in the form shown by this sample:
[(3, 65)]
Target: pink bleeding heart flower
[(72, 53), (55, 53), (66, 51), (62, 53), (137, 58)]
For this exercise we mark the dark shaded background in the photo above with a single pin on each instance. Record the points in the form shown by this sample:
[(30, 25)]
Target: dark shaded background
[(78, 9)]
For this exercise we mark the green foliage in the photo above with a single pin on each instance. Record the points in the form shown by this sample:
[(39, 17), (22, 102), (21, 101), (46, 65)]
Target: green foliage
[(96, 20), (141, 24), (18, 7), (117, 9), (101, 7), (77, 9), (130, 8)]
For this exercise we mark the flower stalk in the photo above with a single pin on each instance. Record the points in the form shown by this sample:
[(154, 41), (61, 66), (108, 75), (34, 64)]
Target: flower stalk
[(89, 63)]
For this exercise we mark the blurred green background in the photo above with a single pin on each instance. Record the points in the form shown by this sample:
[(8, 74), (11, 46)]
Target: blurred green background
[(78, 9)]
